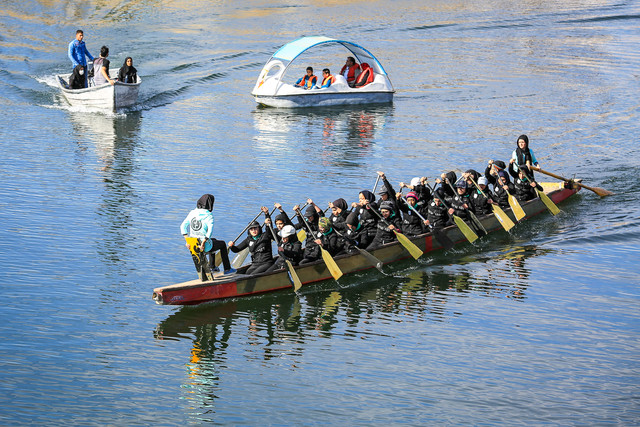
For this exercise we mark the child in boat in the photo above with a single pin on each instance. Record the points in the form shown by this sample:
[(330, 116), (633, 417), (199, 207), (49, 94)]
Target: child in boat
[(199, 223), (523, 156), (437, 216), (385, 233), (412, 225), (329, 239), (524, 184), (481, 203), (259, 245), (289, 249), (308, 81), (368, 220), (327, 79)]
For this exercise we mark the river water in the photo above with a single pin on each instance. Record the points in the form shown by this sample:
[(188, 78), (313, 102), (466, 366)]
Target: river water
[(538, 326)]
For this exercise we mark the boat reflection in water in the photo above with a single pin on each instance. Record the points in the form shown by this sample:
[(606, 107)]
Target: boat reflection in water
[(346, 133), (281, 326)]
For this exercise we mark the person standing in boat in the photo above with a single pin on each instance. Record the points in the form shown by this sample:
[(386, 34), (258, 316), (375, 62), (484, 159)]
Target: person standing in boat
[(350, 70), (199, 223), (259, 245), (523, 156), (101, 64), (308, 81), (128, 73), (78, 53)]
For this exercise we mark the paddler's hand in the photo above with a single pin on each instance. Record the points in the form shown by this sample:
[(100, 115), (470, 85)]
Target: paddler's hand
[(268, 221), (202, 247), (402, 185), (490, 162), (426, 222), (309, 201), (318, 242), (381, 174), (231, 244), (264, 209), (451, 211), (277, 206), (354, 205), (512, 161), (391, 227), (296, 208)]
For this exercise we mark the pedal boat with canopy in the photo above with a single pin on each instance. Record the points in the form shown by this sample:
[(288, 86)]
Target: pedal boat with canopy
[(272, 90)]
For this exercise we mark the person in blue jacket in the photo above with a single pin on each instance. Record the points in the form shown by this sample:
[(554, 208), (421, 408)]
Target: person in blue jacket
[(78, 53)]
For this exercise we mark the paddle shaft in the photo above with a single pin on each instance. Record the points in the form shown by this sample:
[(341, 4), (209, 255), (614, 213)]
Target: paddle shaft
[(599, 191)]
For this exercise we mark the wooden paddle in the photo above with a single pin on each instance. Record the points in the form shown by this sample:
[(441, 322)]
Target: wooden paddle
[(545, 199), (599, 191), (302, 235), (293, 276), (441, 237), (472, 217), (501, 215), (372, 259), (513, 202), (242, 255), (415, 251), (331, 264), (462, 226), (376, 186)]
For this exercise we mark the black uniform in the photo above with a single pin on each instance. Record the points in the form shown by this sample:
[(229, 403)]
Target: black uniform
[(523, 190), (480, 203), (291, 251), (437, 215), (412, 225), (260, 250), (383, 234)]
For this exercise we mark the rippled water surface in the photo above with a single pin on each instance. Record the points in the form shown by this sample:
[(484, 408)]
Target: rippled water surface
[(538, 326)]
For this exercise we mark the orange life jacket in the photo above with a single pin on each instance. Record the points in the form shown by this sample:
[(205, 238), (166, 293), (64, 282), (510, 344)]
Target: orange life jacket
[(308, 81), (330, 77), (351, 75)]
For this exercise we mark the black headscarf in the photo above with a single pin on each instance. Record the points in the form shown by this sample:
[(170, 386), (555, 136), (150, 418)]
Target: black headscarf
[(128, 72), (522, 156), (206, 202), (368, 195), (340, 203)]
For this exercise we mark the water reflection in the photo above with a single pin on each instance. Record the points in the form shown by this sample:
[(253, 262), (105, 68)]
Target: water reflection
[(347, 133), (283, 324), (114, 139)]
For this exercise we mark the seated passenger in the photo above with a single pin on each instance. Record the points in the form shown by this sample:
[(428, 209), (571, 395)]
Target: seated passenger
[(128, 73), (308, 81), (350, 71), (327, 78), (365, 77), (76, 80)]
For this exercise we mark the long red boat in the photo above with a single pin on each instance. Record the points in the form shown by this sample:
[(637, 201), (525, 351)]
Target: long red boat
[(198, 291)]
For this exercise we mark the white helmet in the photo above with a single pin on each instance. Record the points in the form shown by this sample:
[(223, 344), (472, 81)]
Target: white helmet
[(287, 230), (482, 181), (415, 181)]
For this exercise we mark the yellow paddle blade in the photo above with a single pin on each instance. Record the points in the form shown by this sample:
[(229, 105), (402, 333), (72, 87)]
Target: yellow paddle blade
[(297, 284), (331, 264), (548, 203), (516, 208), (193, 244), (239, 259), (302, 235), (506, 222), (466, 230), (415, 251)]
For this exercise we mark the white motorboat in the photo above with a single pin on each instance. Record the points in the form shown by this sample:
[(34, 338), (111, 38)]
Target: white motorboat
[(272, 90), (104, 97)]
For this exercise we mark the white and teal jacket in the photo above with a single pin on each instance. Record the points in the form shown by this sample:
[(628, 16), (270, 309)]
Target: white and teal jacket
[(199, 223)]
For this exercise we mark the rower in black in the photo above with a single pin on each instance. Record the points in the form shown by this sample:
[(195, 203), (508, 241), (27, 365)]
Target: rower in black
[(385, 233), (259, 245), (437, 216), (368, 220), (524, 186), (289, 249), (412, 225)]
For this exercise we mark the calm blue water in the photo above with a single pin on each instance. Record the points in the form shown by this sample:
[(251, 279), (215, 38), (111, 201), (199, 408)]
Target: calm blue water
[(539, 326)]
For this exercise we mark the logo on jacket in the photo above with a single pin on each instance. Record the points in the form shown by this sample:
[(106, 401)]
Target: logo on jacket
[(196, 224)]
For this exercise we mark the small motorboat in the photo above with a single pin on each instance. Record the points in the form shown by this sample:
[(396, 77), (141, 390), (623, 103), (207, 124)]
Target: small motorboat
[(104, 97), (272, 90)]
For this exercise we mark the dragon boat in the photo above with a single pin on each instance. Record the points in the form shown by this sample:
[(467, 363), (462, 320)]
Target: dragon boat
[(271, 88), (239, 285)]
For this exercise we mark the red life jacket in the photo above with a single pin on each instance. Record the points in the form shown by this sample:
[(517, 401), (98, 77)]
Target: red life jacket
[(351, 76), (366, 76)]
